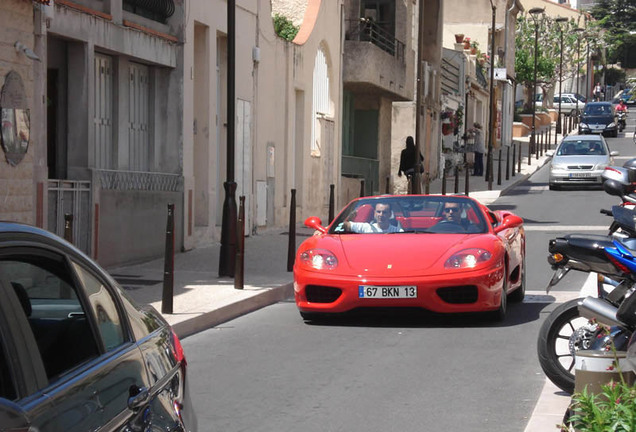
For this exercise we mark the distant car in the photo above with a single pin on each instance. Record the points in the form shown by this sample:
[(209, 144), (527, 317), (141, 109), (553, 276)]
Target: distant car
[(569, 103), (465, 259), (598, 117), (580, 160), (75, 353)]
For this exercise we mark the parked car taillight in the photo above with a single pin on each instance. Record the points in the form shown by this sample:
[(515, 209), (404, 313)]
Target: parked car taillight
[(178, 350)]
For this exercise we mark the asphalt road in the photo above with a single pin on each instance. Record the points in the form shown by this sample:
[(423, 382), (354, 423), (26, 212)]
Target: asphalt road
[(270, 371)]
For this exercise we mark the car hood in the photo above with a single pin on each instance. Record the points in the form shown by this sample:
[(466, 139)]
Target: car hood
[(404, 254), (606, 119), (580, 160)]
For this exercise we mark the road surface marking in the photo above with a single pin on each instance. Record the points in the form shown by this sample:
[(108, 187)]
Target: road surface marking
[(538, 227)]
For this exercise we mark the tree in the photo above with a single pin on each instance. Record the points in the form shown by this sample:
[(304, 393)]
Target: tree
[(617, 18), (549, 52)]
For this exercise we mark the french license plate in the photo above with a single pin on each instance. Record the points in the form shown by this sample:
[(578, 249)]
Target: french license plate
[(383, 292), (580, 174)]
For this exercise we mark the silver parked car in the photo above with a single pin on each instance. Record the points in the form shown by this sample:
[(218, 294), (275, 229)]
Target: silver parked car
[(580, 160)]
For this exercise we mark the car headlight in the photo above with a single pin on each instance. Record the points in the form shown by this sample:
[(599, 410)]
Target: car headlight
[(600, 166), (583, 126), (558, 167), (611, 125), (468, 258), (319, 259)]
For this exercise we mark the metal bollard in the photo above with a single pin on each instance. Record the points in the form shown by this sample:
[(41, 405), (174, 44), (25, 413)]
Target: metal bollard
[(291, 245), (168, 265), (361, 188), (387, 189), (467, 179), (331, 202), (507, 163), (519, 161), (456, 179), (514, 158), (240, 245), (499, 168), (444, 181), (68, 227)]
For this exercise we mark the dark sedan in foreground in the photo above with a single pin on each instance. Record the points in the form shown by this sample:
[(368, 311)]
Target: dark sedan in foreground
[(76, 354), (598, 117)]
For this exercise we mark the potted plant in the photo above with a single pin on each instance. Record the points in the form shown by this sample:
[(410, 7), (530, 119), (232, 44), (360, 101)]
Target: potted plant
[(467, 43), (474, 47), (459, 37)]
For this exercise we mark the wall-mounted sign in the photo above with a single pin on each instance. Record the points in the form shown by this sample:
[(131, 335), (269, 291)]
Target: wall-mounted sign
[(14, 114), (500, 74)]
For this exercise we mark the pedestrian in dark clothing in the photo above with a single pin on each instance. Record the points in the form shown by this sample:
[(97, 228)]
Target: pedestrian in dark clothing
[(480, 149), (408, 159)]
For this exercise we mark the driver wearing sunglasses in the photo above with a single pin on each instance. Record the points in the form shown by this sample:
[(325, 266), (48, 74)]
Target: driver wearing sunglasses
[(452, 212)]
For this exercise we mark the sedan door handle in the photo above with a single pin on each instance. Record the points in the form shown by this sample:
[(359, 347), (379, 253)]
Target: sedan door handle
[(138, 397)]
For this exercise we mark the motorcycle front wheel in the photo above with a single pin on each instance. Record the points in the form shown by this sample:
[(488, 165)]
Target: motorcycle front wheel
[(562, 334)]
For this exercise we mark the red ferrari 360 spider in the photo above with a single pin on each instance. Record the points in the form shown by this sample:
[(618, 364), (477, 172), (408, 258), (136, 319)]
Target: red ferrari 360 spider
[(445, 254)]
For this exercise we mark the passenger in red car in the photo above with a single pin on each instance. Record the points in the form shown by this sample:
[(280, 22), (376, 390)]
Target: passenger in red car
[(380, 224)]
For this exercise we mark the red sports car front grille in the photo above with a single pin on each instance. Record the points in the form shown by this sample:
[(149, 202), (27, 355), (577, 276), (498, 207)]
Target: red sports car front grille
[(458, 294), (322, 294)]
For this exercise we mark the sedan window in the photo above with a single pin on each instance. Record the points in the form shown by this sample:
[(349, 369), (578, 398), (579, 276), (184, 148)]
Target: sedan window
[(104, 309), (582, 148), (53, 308)]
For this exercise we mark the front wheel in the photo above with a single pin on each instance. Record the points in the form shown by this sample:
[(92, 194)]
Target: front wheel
[(563, 333)]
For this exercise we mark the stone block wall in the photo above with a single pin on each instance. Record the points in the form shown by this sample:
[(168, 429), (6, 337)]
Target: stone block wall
[(17, 189)]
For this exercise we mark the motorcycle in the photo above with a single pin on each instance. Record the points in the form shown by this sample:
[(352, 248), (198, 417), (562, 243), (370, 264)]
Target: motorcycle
[(566, 330), (621, 117)]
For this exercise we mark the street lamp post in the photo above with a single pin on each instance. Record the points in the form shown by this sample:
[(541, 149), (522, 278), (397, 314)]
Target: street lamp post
[(533, 12), (491, 112), (227, 256), (558, 125), (578, 68)]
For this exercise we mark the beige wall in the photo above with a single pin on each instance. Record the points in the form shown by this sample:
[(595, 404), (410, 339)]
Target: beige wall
[(17, 183), (275, 79)]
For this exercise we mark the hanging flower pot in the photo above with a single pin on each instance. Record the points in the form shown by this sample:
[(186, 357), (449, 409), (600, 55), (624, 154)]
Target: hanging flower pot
[(459, 37)]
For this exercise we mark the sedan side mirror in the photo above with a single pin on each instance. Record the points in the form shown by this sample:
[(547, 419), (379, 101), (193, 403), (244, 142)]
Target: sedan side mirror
[(614, 153)]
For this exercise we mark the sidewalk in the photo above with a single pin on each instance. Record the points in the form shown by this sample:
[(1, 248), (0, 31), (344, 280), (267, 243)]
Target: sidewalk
[(202, 299)]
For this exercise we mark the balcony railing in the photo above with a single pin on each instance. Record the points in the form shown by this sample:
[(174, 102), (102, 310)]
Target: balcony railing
[(364, 29)]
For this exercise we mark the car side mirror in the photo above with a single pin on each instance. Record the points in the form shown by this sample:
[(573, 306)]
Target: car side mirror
[(315, 223), (509, 221), (614, 153), (549, 153)]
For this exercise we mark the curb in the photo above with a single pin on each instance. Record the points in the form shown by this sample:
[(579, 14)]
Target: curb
[(234, 310), (525, 176)]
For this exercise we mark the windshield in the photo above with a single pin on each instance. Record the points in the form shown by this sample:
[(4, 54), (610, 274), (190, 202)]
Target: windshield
[(410, 214), (582, 147), (597, 110)]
